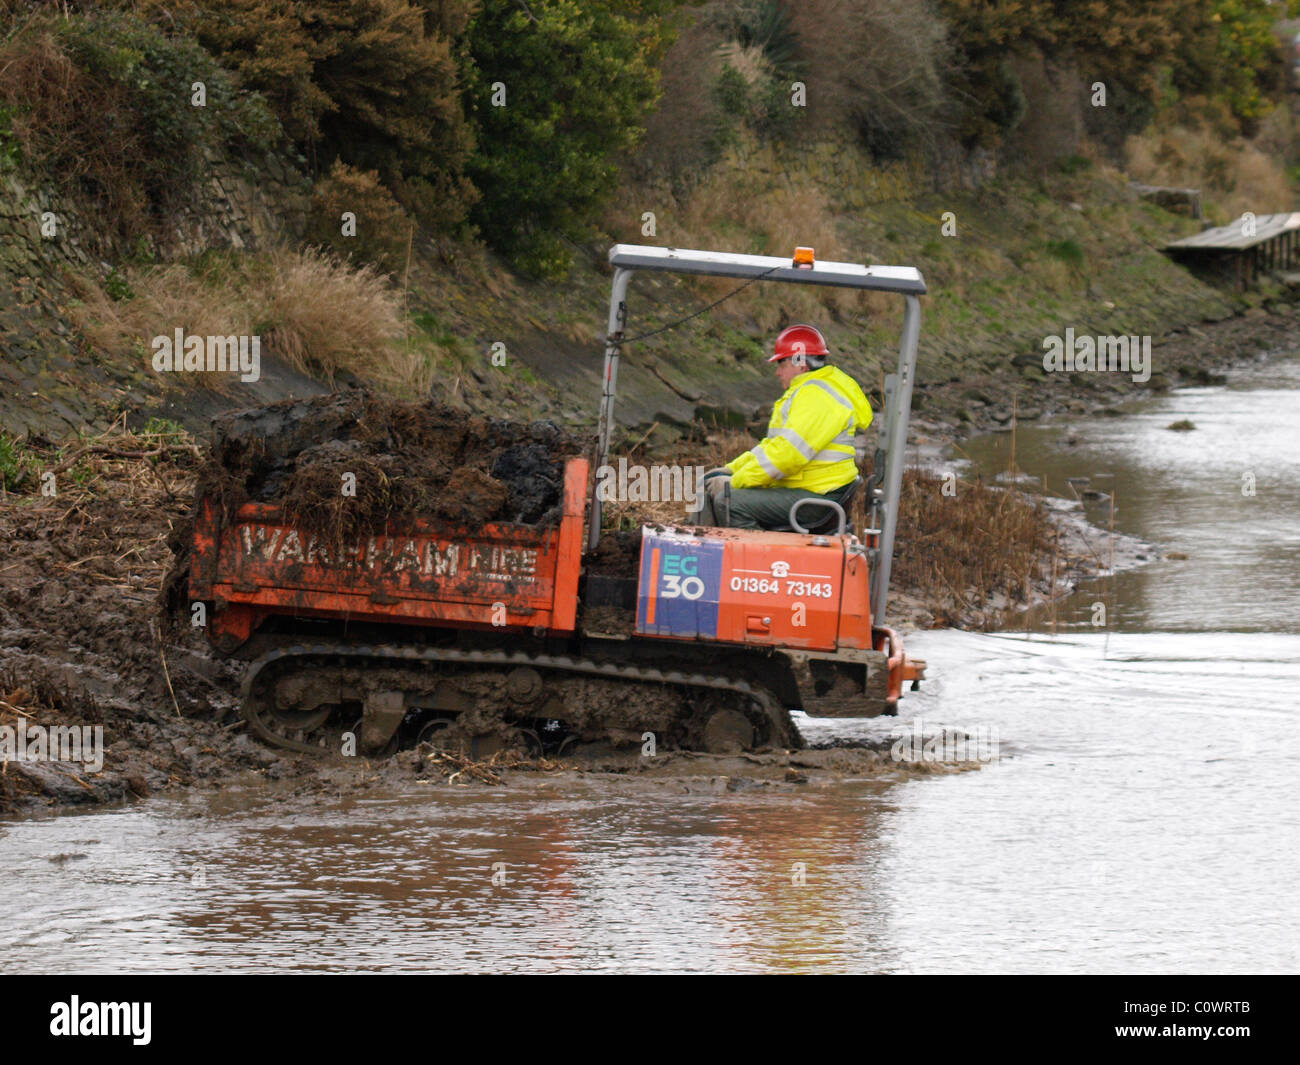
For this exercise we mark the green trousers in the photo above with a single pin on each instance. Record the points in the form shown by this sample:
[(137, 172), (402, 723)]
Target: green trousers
[(766, 508)]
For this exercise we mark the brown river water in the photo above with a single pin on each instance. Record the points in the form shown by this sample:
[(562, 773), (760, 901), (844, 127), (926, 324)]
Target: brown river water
[(1143, 814)]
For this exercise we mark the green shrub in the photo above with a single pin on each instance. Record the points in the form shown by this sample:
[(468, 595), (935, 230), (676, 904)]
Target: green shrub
[(171, 432), (1147, 55), (117, 286), (1227, 51), (17, 468), (10, 150), (579, 79), (874, 70), (732, 92), (382, 226), (100, 106), (371, 82), (767, 24), (394, 87), (1067, 251)]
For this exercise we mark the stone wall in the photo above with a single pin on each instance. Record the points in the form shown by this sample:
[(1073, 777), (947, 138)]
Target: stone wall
[(51, 381)]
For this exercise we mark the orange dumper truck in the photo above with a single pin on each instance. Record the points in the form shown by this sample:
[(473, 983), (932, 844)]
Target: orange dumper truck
[(508, 636)]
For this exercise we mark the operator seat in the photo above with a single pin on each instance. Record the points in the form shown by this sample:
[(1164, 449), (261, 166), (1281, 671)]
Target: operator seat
[(825, 520)]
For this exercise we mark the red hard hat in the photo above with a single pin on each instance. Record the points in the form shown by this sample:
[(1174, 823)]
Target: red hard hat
[(798, 340)]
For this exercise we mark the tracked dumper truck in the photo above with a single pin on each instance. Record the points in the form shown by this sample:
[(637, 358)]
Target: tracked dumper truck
[(498, 637)]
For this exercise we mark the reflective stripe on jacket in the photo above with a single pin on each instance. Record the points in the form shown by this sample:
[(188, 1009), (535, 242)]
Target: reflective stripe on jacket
[(809, 442)]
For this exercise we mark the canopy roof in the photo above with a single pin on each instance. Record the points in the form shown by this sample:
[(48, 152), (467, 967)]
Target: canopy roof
[(902, 279)]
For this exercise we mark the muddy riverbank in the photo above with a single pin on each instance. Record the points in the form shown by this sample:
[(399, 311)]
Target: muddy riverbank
[(85, 644), (79, 641), (1194, 354)]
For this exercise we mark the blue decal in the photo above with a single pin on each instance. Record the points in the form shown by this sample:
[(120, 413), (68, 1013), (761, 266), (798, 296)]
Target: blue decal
[(681, 578)]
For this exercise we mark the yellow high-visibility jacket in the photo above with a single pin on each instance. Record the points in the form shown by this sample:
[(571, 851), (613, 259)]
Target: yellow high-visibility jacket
[(809, 442)]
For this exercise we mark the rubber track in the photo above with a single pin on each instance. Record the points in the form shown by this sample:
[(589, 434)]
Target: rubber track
[(390, 653)]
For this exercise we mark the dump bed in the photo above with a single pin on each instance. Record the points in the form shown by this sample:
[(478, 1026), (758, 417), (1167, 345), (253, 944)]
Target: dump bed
[(498, 575)]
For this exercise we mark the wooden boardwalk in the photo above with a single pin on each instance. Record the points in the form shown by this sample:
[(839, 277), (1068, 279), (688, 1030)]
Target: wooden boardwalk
[(1245, 248)]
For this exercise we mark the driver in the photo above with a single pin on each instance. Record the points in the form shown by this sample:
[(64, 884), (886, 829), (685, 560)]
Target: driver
[(808, 450)]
